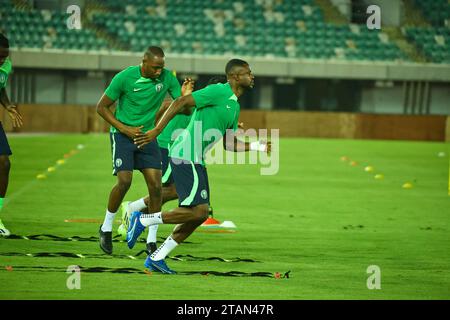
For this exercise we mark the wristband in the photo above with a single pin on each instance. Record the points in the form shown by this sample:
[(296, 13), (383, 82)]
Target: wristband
[(257, 146)]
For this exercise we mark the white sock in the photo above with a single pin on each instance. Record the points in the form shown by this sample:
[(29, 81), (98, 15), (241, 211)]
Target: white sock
[(164, 249), (108, 222), (137, 205), (152, 230), (151, 218)]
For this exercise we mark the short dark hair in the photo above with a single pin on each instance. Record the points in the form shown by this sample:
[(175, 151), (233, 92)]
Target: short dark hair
[(4, 43), (233, 63), (154, 51), (217, 79)]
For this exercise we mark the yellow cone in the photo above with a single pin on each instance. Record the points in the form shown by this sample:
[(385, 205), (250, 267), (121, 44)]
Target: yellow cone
[(41, 176), (61, 161), (407, 185), (51, 169), (368, 169), (379, 176)]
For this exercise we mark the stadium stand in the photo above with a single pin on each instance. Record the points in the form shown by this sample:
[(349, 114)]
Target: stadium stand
[(291, 28), (45, 29), (433, 42), (437, 12), (277, 29)]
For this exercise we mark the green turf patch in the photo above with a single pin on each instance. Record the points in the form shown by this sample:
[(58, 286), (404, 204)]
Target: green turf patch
[(321, 218)]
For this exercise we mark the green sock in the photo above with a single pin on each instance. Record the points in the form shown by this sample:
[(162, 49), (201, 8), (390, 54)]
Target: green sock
[(1, 203)]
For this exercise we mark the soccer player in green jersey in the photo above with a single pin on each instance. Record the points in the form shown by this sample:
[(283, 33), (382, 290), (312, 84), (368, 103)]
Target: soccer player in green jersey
[(165, 140), (5, 151), (140, 91), (216, 108)]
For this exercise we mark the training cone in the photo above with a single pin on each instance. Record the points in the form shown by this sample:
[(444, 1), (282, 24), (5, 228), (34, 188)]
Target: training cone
[(407, 185), (228, 224), (210, 221)]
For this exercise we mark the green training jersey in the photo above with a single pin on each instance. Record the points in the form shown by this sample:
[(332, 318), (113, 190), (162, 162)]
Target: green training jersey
[(5, 70), (139, 97), (216, 110), (172, 130)]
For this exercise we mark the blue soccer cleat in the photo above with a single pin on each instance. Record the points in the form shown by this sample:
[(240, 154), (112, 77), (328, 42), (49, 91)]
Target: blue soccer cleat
[(158, 266), (134, 229)]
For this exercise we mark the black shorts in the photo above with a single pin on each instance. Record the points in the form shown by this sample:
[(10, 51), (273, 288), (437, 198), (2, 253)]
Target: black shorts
[(191, 182), (167, 177), (126, 156), (4, 145)]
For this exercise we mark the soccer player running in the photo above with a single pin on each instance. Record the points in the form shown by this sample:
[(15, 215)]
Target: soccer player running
[(165, 140), (168, 191), (5, 150), (217, 108), (140, 91)]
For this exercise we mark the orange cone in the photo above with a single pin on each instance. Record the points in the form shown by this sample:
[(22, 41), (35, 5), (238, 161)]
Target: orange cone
[(210, 221)]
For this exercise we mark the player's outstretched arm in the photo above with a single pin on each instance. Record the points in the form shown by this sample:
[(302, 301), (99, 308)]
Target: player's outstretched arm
[(175, 107), (232, 143), (186, 89), (103, 109), (12, 109), (164, 106)]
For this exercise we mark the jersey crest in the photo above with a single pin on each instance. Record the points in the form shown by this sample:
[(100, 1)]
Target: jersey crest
[(159, 87)]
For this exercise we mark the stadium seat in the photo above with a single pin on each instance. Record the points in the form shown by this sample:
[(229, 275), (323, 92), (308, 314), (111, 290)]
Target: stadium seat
[(435, 11), (425, 39), (262, 33)]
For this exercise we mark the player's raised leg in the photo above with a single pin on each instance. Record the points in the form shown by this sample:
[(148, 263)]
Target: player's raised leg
[(191, 185), (146, 205)]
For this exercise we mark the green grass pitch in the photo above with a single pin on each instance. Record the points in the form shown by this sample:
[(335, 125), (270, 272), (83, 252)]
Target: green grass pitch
[(320, 218)]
